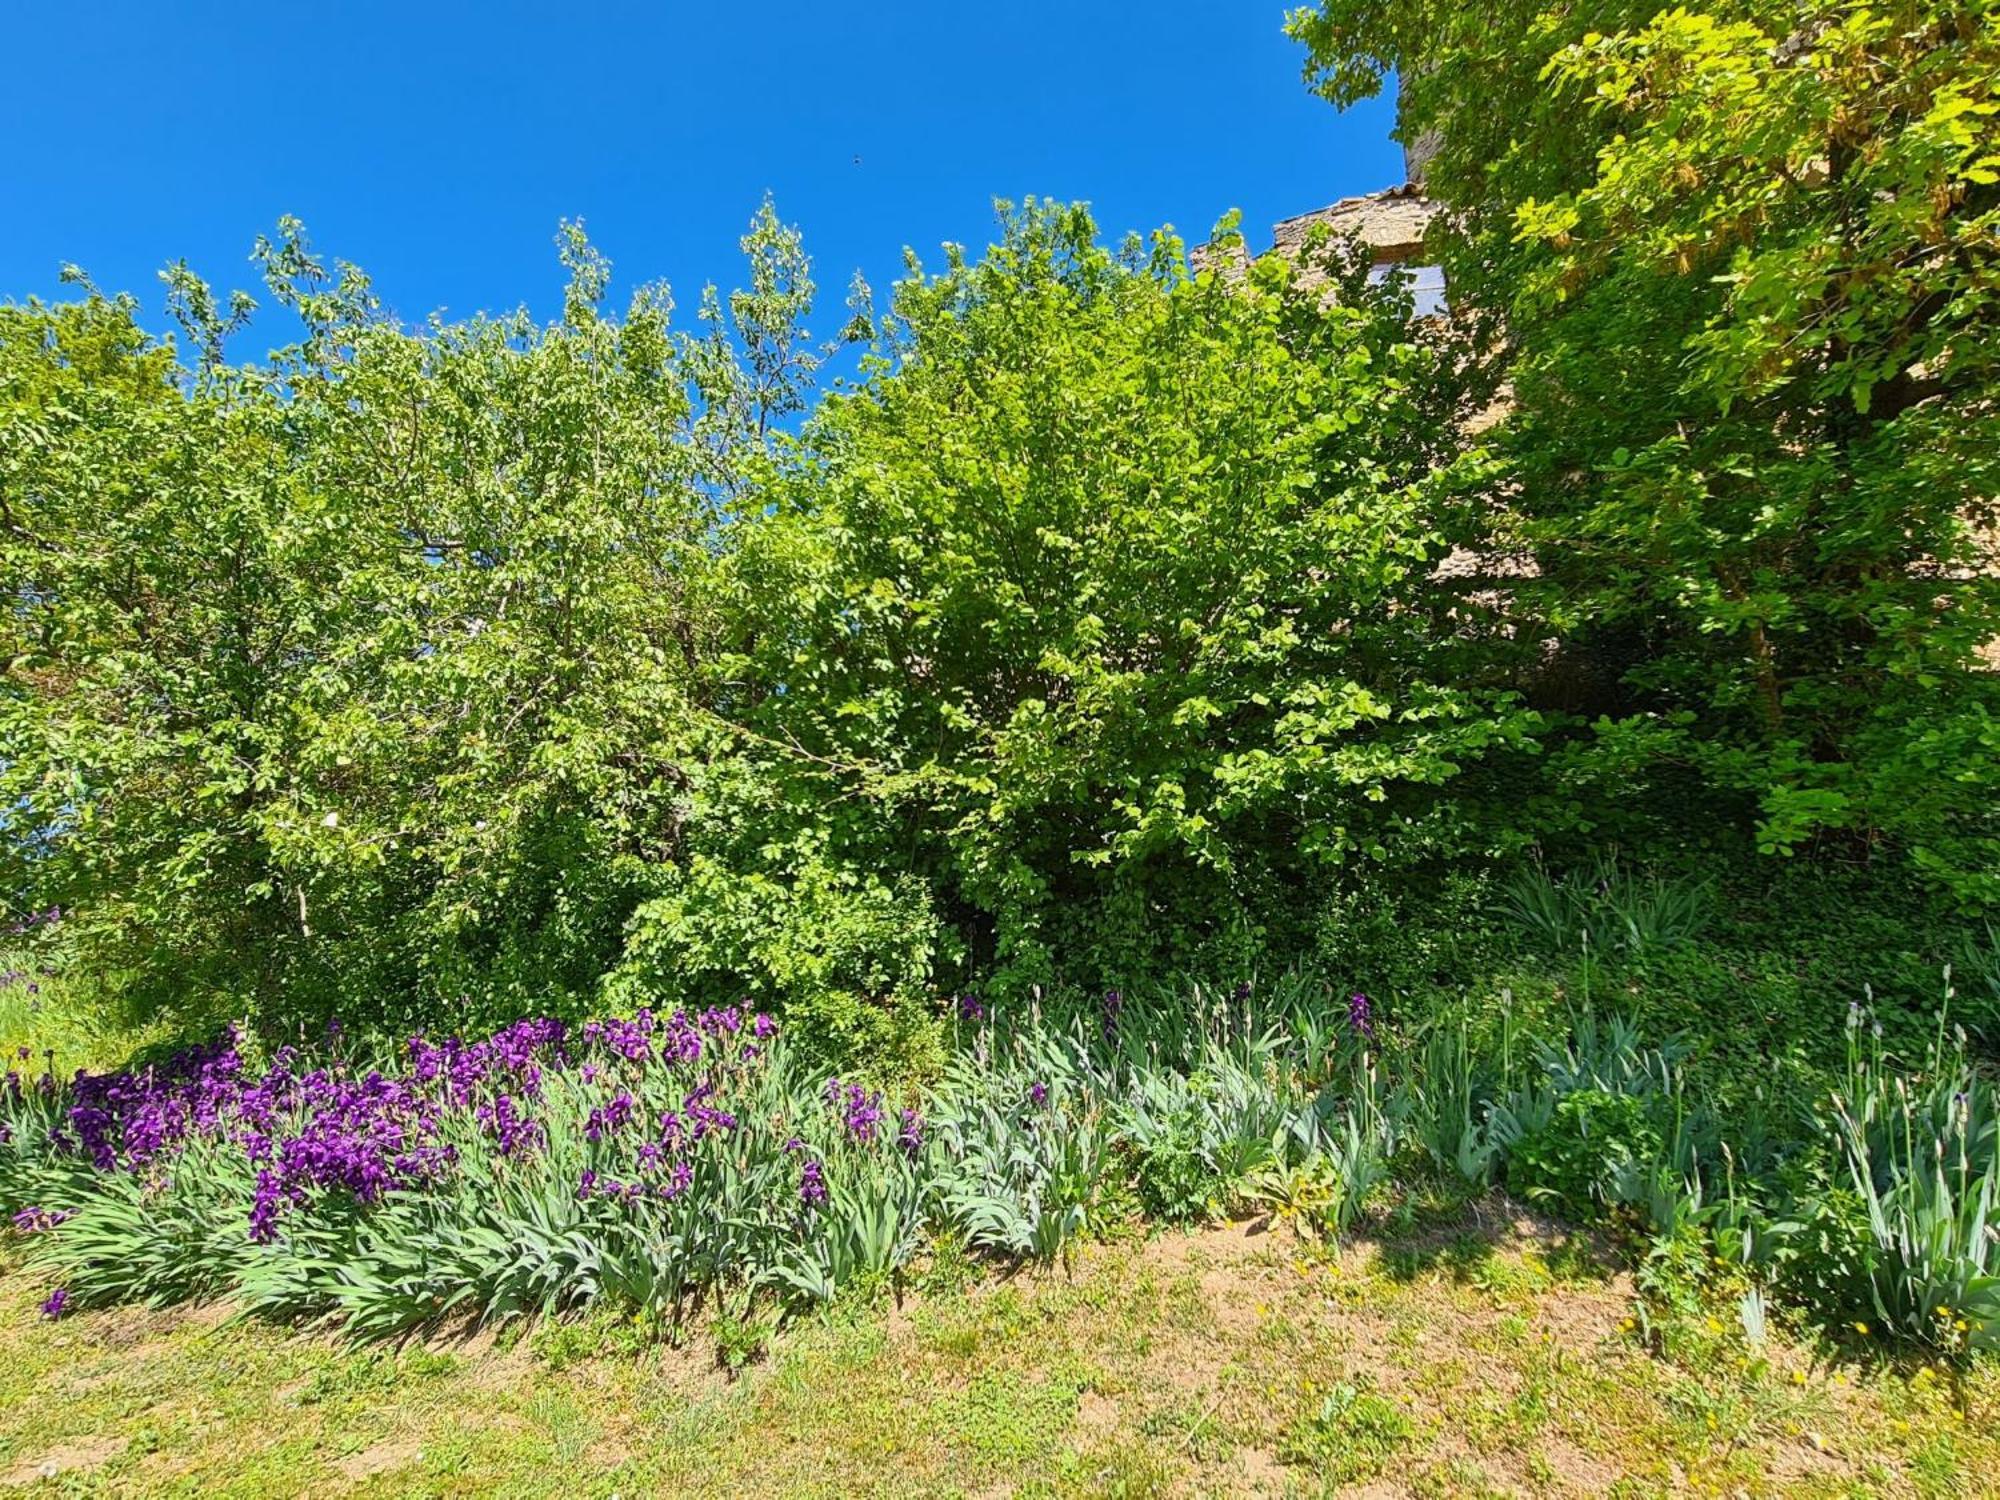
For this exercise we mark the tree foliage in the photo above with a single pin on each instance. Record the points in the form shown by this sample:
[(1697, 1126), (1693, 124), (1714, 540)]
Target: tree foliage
[(496, 659), (1738, 263), (1106, 617), (1099, 608), (364, 670)]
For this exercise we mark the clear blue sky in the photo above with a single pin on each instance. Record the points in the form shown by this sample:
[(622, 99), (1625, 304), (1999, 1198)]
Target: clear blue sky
[(438, 144)]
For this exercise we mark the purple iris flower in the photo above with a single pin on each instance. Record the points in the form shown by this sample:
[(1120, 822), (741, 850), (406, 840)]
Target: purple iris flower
[(1360, 1013), (317, 1124), (812, 1185), (683, 1179), (863, 1113)]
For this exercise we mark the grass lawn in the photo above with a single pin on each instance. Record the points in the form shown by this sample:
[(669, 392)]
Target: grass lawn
[(1490, 1356)]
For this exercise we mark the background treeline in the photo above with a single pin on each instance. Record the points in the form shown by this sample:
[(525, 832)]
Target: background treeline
[(1094, 628)]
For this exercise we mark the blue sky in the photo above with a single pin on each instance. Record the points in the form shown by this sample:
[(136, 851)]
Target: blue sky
[(437, 144)]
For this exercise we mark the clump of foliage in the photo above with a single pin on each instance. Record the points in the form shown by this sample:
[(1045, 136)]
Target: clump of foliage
[(655, 1165), (1106, 592), (644, 1161), (1603, 907), (361, 676), (1896, 1228)]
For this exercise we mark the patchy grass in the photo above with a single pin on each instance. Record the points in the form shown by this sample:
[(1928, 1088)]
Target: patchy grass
[(1491, 1356)]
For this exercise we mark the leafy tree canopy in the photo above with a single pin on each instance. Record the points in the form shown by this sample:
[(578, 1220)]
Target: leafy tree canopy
[(1737, 264)]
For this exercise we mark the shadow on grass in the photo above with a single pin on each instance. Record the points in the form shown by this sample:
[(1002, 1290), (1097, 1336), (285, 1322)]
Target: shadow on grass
[(1468, 1248)]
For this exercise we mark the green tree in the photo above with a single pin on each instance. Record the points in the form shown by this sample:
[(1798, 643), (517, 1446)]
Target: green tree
[(1098, 611), (369, 676), (1738, 262)]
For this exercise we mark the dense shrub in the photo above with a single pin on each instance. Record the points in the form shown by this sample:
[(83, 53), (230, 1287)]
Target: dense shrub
[(1099, 608), (354, 680)]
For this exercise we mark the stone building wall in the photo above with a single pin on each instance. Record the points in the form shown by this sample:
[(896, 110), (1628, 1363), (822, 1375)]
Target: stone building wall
[(1390, 223)]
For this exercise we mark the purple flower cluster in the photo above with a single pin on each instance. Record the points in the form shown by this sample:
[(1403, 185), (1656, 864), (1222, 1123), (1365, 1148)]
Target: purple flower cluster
[(861, 1110), (364, 1135), (514, 1131), (264, 1202), (1360, 1014), (127, 1119), (361, 1132), (863, 1116), (609, 1118), (1114, 1007), (464, 1071), (812, 1184), (812, 1173), (699, 1119), (307, 1132)]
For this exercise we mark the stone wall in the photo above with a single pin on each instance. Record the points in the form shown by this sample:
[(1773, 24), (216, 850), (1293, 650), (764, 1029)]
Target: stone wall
[(1390, 223)]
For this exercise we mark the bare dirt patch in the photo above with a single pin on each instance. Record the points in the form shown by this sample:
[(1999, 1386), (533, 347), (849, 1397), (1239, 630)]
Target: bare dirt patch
[(379, 1458), (77, 1457), (1257, 1472)]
